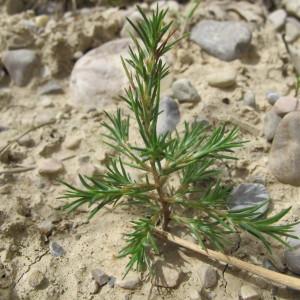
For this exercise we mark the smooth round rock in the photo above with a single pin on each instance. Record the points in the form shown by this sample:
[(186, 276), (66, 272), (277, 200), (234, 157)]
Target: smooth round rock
[(293, 7), (50, 166), (56, 249), (184, 91), (277, 18), (248, 195), (249, 99), (224, 78), (292, 256), (284, 158), (285, 105), (272, 97), (130, 282), (271, 122), (226, 40)]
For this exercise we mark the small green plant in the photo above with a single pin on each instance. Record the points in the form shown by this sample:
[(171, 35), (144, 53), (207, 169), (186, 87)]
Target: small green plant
[(179, 183)]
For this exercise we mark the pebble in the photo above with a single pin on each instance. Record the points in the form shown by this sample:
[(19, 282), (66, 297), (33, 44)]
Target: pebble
[(223, 78), (100, 277), (272, 97), (22, 65), (226, 40), (184, 91), (293, 7), (36, 279), (292, 256), (249, 195), (46, 227), (50, 166), (72, 142), (130, 282), (202, 119), (247, 292), (271, 122), (285, 105), (277, 18), (26, 141), (98, 76), (167, 277), (292, 29), (50, 88), (249, 99), (169, 116), (284, 157), (208, 276), (56, 249)]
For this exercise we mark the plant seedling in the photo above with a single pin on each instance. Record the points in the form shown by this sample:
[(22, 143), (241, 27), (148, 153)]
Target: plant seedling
[(197, 200)]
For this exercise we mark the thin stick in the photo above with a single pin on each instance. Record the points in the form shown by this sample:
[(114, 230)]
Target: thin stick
[(281, 279)]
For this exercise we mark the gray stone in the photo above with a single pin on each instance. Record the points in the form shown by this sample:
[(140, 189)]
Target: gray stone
[(100, 277), (50, 88), (271, 122), (293, 7), (50, 166), (284, 158), (184, 91), (285, 105), (130, 282), (223, 78), (277, 18), (208, 276), (56, 249), (292, 29), (226, 40), (272, 97), (247, 292), (167, 277), (292, 256), (22, 65), (169, 116), (249, 99), (98, 76), (249, 195), (36, 279)]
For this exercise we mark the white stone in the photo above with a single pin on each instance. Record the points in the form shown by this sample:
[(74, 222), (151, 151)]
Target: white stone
[(223, 78), (50, 166), (130, 282), (73, 142), (277, 18), (248, 292)]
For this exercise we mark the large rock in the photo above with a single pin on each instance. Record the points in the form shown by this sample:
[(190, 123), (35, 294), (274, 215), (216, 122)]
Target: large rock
[(98, 77), (284, 159), (226, 40), (21, 65)]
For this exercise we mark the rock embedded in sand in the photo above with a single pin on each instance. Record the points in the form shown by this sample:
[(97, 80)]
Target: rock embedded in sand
[(46, 227), (56, 249), (169, 116), (224, 78), (249, 99), (271, 122), (226, 40), (272, 97), (130, 282), (22, 65), (292, 256), (208, 276), (100, 277), (292, 29), (50, 166), (50, 88), (36, 279), (284, 158), (184, 91), (73, 142), (167, 277), (277, 18), (285, 105), (247, 292), (293, 7), (98, 76)]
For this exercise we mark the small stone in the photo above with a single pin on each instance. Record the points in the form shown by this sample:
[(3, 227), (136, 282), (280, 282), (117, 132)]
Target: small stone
[(130, 282), (226, 40), (247, 292), (248, 195), (271, 122), (195, 295), (50, 88), (21, 65), (41, 21), (249, 99), (272, 97), (26, 141), (50, 166), (202, 119), (73, 142), (277, 18), (46, 227), (292, 29), (169, 116), (223, 78), (285, 105), (284, 157), (56, 249), (93, 287), (208, 276), (100, 277), (184, 91), (292, 256), (166, 276), (36, 279)]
